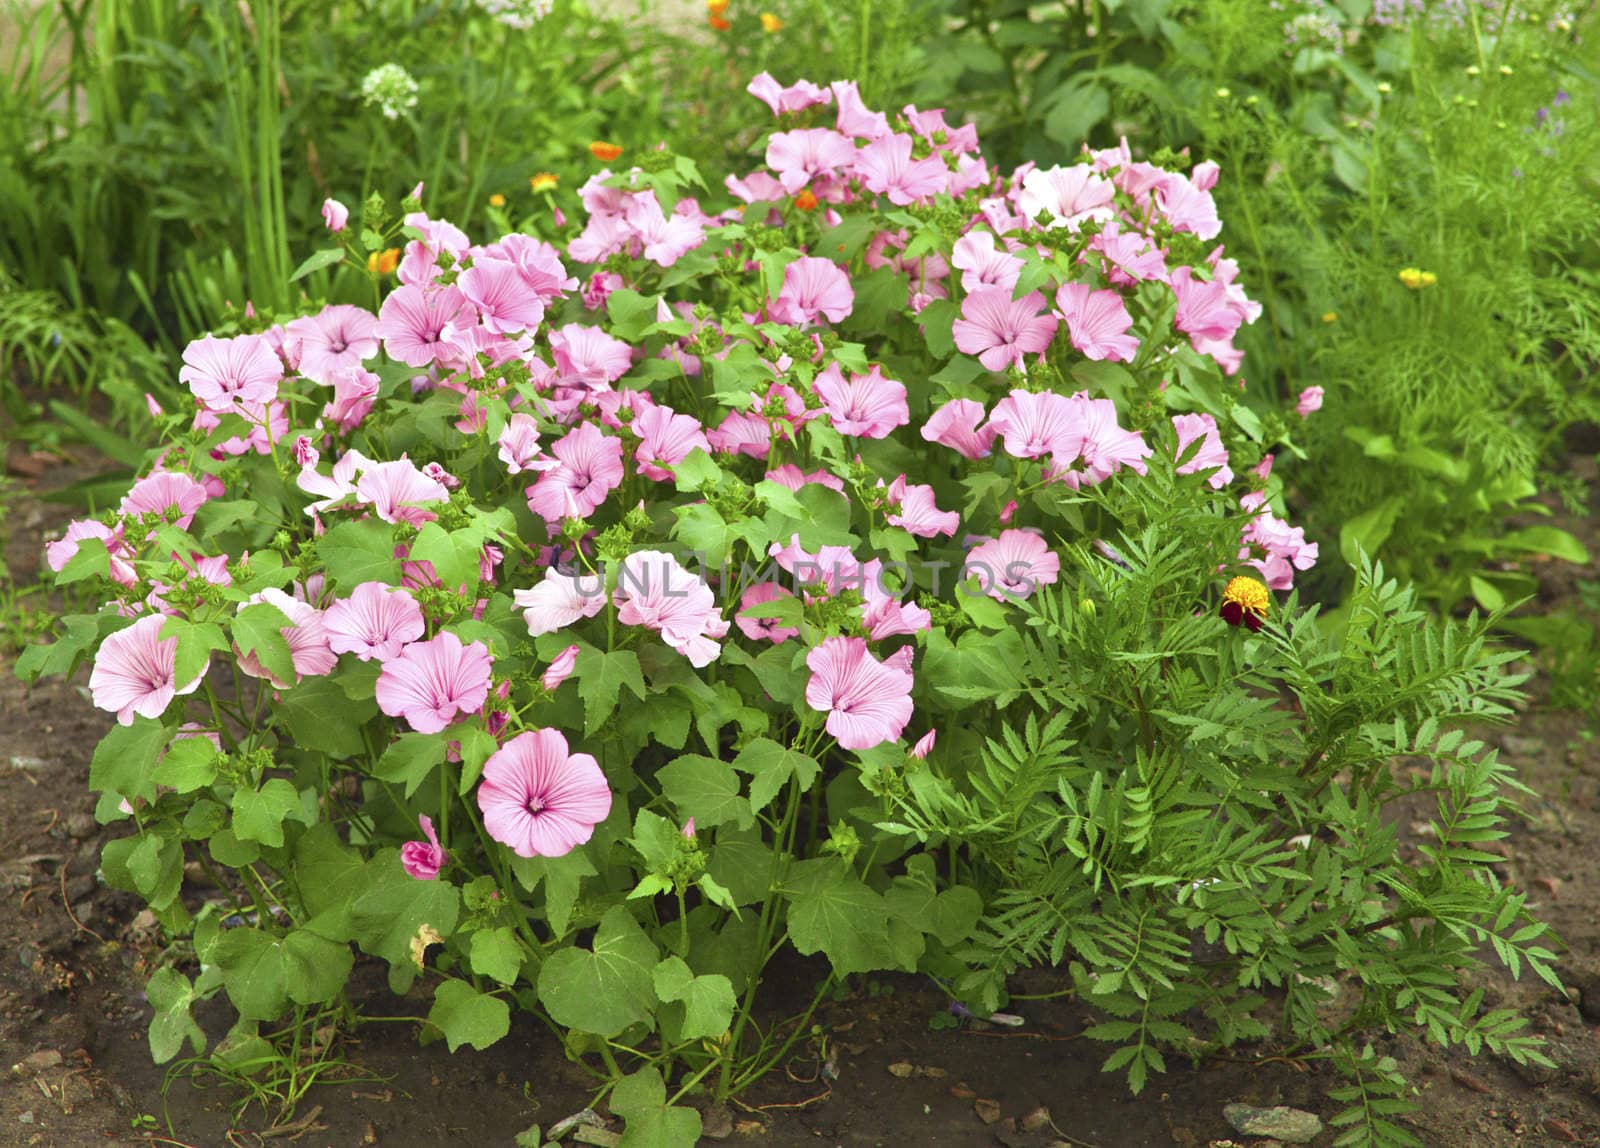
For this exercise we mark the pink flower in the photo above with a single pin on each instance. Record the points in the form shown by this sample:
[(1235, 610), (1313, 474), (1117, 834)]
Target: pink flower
[(1212, 455), (589, 467), (162, 491), (798, 96), (540, 799), (655, 592), (505, 302), (413, 320), (1101, 448), (335, 215), (1129, 256), (869, 405), (664, 238), (151, 405), (1188, 207), (798, 156), (1276, 549), (1001, 330), (375, 622), (306, 633), (911, 508), (560, 669), (588, 357), (885, 166), (1310, 400), (1067, 195), (560, 600), (983, 266), (222, 373), (742, 433), (758, 628), (519, 445), (394, 489), (431, 682), (924, 745), (867, 702), (794, 478), (338, 337), (58, 553), (1097, 322), (134, 671), (423, 859), (812, 287), (1013, 565), (665, 437), (855, 119), (355, 390), (955, 425), (1204, 309), (1034, 425)]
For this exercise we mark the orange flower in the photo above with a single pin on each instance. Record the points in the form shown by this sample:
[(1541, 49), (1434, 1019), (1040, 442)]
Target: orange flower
[(719, 24), (806, 200), (497, 200), (605, 152), (384, 262), (544, 181), (770, 23), (716, 8)]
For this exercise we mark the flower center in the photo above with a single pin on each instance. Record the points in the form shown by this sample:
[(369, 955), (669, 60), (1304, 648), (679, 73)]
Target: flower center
[(536, 805)]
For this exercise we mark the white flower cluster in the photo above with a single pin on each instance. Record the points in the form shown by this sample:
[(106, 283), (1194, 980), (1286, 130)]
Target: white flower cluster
[(519, 14), (392, 88)]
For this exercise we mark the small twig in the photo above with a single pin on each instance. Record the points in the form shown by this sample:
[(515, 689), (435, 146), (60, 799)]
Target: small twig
[(306, 1123), (67, 905), (55, 816), (152, 1138), (821, 1096), (1056, 1128), (1018, 1035)]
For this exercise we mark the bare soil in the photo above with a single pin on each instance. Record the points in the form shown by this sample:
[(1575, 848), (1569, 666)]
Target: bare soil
[(74, 957)]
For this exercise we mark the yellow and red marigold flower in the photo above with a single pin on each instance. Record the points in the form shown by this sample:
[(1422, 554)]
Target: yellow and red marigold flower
[(1245, 602), (497, 200), (806, 200), (1417, 279), (543, 181), (384, 262), (770, 22), (715, 10), (605, 152)]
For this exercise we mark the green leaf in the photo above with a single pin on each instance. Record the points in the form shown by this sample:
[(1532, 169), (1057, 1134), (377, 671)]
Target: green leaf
[(124, 761), (563, 878), (696, 471), (152, 866), (708, 1000), (252, 970), (938, 319), (196, 640), (454, 555), (497, 953), (743, 864), (258, 815), (832, 912), (92, 560), (770, 767), (123, 448), (330, 875), (705, 789), (321, 717), (171, 996), (950, 916), (600, 677), (466, 1016), (77, 635), (630, 313), (641, 1100), (388, 915), (477, 747), (411, 759), (316, 261), (608, 989), (1077, 108), (356, 552), (314, 968), (1551, 540), (258, 629)]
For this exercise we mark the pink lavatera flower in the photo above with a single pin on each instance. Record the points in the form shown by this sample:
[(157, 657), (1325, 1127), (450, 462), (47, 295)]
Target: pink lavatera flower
[(665, 437), (135, 671), (924, 745), (1097, 322), (589, 467), (413, 323), (654, 591), (396, 491), (956, 425), (1033, 425), (1067, 196), (1188, 207), (855, 119), (1212, 455), (432, 682), (422, 860), (1013, 565), (335, 215), (1102, 447), (664, 238), (886, 168), (757, 629), (867, 406), (794, 478), (742, 433), (537, 262), (355, 391), (981, 265), (504, 301), (306, 633), (560, 669), (519, 445), (375, 622), (812, 287), (1129, 257), (588, 357), (63, 550), (1309, 402), (222, 373), (796, 97), (1276, 549), (338, 487), (911, 507), (867, 702), (163, 491), (1002, 331), (338, 337), (559, 600), (1205, 310), (539, 798), (798, 157)]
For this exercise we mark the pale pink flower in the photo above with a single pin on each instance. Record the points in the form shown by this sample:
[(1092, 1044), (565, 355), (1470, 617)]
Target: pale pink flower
[(1068, 196), (394, 490), (335, 215), (306, 633), (1204, 308), (1310, 400), (355, 390), (1130, 257), (589, 467), (794, 478), (981, 265), (654, 591), (376, 621), (1212, 455), (812, 287), (1263, 469), (431, 682), (911, 507), (560, 600), (537, 262), (664, 238), (151, 405), (519, 445), (1101, 447), (924, 745), (539, 798), (665, 437), (588, 357), (1276, 549), (560, 669), (757, 187), (758, 628), (867, 702), (261, 434), (1188, 207), (413, 320), (867, 406), (134, 671), (688, 830), (1033, 425), (335, 489), (955, 425), (163, 491), (1013, 565), (504, 301), (58, 553), (799, 156), (855, 119), (885, 167), (1001, 330), (423, 859), (1097, 322), (336, 338), (222, 373), (798, 96), (742, 433)]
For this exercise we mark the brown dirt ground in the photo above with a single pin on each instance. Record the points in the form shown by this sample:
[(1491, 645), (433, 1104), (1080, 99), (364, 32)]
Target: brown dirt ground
[(73, 959)]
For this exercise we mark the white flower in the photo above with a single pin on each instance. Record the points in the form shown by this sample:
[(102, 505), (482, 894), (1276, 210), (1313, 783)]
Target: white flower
[(392, 88), (519, 14)]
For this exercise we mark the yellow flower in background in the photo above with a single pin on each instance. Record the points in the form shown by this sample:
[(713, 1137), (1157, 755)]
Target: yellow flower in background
[(1429, 279), (384, 262), (544, 181), (770, 23), (1329, 316), (605, 152), (497, 200), (1417, 279)]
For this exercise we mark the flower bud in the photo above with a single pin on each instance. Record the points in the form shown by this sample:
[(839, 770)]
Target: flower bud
[(560, 669)]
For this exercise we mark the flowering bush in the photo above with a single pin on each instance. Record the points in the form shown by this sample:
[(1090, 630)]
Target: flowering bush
[(880, 567)]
